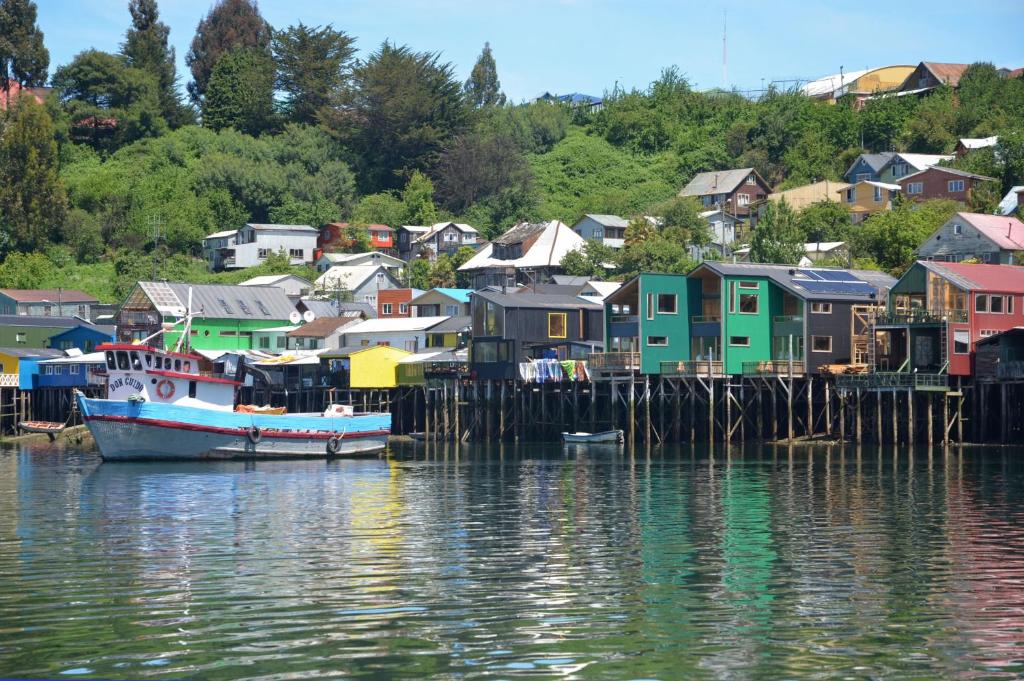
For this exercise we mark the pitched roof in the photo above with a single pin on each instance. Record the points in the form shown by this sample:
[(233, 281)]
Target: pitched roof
[(537, 300), (1009, 203), (716, 182), (382, 258), (45, 322), (999, 278), (105, 329), (322, 327), (920, 161), (978, 142), (607, 220), (459, 295), (875, 161), (221, 235), (950, 171), (48, 295), (809, 283), (554, 241), (349, 276), (946, 73), (332, 308), (1004, 231), (830, 84), (439, 226), (259, 227), (452, 324), (395, 324), (273, 279), (219, 301)]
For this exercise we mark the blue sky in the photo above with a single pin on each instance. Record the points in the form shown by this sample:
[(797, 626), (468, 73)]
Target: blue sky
[(589, 45)]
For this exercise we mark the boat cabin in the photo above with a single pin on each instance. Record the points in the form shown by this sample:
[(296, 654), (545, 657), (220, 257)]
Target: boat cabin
[(143, 372)]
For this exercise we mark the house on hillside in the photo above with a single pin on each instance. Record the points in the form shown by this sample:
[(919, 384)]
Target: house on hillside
[(723, 228), (995, 239), (293, 286), (436, 302), (338, 235), (252, 245), (862, 84), (608, 229), (50, 302), (814, 251), (527, 253), (1013, 200), (224, 317), (867, 197), (803, 196), (737, 191), (967, 144), (929, 75), (901, 165), (328, 260), (358, 283), (939, 182), (509, 328), (442, 238), (406, 333), (868, 167), (395, 302)]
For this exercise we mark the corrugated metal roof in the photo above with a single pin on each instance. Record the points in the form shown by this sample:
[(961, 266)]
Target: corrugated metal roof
[(32, 352), (537, 300), (281, 228), (833, 84), (946, 73), (875, 161), (1005, 231), (273, 279), (608, 220), (950, 171), (48, 295), (350, 277), (453, 324), (220, 301), (979, 142), (980, 277), (716, 182), (920, 161), (394, 324), (810, 283), (459, 294)]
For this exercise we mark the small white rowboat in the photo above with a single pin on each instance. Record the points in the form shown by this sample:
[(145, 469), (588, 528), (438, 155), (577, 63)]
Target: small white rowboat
[(604, 437)]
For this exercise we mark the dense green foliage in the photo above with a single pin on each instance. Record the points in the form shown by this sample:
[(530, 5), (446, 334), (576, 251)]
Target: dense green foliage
[(113, 175)]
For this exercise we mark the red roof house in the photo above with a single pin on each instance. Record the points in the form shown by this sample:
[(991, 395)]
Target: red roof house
[(993, 239), (14, 90), (334, 236)]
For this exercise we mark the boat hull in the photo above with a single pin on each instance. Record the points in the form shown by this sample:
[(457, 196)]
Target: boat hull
[(144, 431), (606, 437)]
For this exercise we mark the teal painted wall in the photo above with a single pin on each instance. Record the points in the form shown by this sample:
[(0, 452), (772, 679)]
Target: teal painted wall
[(757, 327), (675, 327)]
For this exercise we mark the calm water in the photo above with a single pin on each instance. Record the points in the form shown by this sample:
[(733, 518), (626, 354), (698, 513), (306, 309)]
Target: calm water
[(766, 563)]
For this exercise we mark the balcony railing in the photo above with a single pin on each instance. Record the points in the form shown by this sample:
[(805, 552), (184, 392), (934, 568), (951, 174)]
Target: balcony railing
[(697, 367), (706, 319), (8, 380), (921, 316), (775, 367), (625, 318), (1012, 370), (614, 361), (787, 318), (894, 381)]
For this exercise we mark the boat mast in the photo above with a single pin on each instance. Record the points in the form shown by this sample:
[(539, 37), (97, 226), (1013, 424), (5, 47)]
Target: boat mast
[(187, 329)]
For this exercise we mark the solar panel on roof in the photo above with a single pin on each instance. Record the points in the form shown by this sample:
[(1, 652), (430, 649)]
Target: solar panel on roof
[(811, 274), (163, 296), (836, 275), (849, 288)]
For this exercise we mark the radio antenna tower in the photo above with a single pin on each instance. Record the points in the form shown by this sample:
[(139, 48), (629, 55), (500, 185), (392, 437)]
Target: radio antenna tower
[(725, 51)]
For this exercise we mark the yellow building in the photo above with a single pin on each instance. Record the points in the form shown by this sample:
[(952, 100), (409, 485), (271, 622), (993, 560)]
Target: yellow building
[(867, 198), (374, 366), (799, 198), (861, 84)]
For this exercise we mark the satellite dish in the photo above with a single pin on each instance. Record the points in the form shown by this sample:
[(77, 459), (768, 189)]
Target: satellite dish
[(308, 316), (295, 317)]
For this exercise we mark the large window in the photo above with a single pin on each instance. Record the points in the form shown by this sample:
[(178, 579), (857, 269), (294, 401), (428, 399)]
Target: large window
[(557, 325), (915, 188), (961, 342), (667, 303), (955, 185), (748, 303), (821, 343), (490, 351), (981, 303), (743, 199), (385, 308)]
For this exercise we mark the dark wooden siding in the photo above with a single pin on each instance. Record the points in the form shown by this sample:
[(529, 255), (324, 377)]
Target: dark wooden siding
[(837, 325)]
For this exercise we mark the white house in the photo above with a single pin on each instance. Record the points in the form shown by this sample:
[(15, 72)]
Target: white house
[(527, 253), (328, 260), (359, 282), (405, 333), (293, 286), (253, 243)]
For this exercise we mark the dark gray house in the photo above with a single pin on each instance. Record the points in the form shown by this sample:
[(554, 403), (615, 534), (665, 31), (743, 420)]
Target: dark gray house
[(515, 326), (868, 167)]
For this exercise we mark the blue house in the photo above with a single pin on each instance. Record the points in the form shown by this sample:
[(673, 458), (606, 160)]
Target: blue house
[(63, 372), (868, 167), (85, 337)]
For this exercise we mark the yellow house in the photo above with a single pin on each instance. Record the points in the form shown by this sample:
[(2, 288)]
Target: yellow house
[(861, 84), (800, 197), (374, 366), (866, 198)]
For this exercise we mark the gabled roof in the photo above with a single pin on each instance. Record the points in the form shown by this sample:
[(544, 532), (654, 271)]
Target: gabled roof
[(48, 295), (221, 235), (382, 258), (950, 171), (259, 227), (607, 220), (350, 277), (322, 327), (718, 182), (808, 283), (554, 240), (919, 161), (459, 295), (104, 329), (978, 142), (945, 73), (439, 226), (1004, 231), (537, 300), (1009, 203), (997, 278), (875, 161), (395, 324), (217, 301), (273, 280), (332, 308), (452, 324)]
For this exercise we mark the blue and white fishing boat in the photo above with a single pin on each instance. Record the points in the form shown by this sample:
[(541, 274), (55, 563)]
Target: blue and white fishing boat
[(160, 406)]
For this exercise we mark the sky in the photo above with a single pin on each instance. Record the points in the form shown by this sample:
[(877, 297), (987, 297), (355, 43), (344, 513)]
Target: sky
[(589, 46)]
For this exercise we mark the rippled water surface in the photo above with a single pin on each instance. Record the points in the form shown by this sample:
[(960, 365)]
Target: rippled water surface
[(765, 563)]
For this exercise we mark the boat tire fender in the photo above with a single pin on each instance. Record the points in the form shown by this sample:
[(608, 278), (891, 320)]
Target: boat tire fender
[(255, 435), (333, 445)]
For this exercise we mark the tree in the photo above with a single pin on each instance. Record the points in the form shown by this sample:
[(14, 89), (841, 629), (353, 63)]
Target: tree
[(418, 272), (240, 93), (777, 238), (483, 88), (656, 254), (478, 166), (985, 197), (418, 201), (891, 237), (146, 48), (401, 109), (588, 261), (638, 230), (23, 56), (824, 221), (382, 209), (681, 221), (442, 274), (313, 65), (230, 24), (32, 199)]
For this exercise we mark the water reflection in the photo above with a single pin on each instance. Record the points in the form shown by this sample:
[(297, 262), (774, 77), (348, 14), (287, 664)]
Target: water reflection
[(531, 560)]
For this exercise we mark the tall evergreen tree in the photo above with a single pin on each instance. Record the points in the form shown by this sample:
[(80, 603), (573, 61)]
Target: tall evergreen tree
[(230, 24), (23, 56), (483, 87), (32, 198), (240, 93), (313, 64), (146, 48)]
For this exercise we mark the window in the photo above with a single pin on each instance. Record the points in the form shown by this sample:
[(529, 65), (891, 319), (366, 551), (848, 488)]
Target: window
[(915, 188), (743, 199), (995, 304), (122, 360), (296, 253), (748, 303), (659, 341), (981, 303), (282, 342), (961, 342), (878, 194), (955, 185), (177, 365), (667, 303), (136, 361), (83, 310), (732, 297), (851, 194), (385, 308), (861, 177), (370, 300), (20, 337), (556, 325), (708, 201), (821, 308), (451, 310), (821, 343), (751, 179), (739, 341), (748, 284), (650, 306), (1009, 304), (264, 342), (262, 253), (47, 310), (192, 389), (958, 229), (403, 308), (410, 345), (598, 233)]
